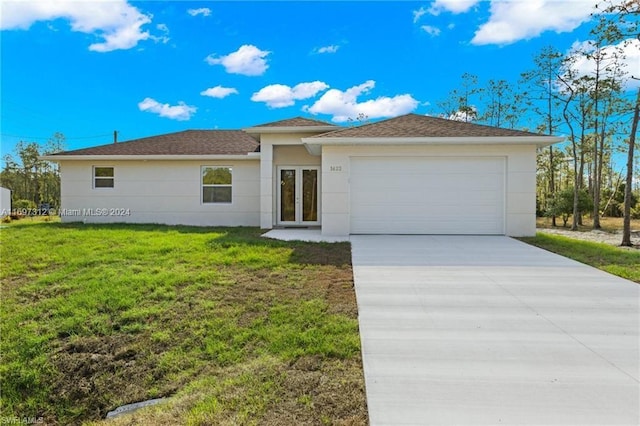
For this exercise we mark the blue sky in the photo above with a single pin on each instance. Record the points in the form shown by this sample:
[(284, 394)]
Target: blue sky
[(143, 68)]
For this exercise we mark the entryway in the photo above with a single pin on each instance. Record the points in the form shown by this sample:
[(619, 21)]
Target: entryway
[(298, 190)]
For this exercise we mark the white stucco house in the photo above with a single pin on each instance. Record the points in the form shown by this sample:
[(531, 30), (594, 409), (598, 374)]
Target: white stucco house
[(411, 174)]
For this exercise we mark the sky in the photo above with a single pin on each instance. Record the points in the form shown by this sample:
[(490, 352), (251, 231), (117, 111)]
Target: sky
[(89, 68)]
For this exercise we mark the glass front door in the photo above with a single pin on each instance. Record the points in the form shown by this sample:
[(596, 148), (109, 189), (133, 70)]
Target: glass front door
[(298, 195)]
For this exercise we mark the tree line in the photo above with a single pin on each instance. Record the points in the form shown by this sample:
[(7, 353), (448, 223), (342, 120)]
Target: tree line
[(32, 181), (595, 110)]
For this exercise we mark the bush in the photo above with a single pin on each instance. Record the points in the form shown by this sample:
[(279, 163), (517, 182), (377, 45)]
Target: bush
[(561, 204), (23, 205)]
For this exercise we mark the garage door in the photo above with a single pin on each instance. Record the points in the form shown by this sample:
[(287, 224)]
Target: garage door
[(427, 195)]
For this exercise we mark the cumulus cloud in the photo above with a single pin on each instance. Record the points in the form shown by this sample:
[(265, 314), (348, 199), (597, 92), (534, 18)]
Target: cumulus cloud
[(328, 49), (180, 112), (116, 23), (219, 92), (511, 21), (431, 30), (628, 52), (247, 60), (204, 11), (344, 105), (280, 95)]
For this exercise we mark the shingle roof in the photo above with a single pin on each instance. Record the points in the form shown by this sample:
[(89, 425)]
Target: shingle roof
[(414, 125), (295, 122), (188, 142)]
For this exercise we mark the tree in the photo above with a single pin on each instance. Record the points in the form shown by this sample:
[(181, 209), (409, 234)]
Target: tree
[(542, 99), (458, 105), (626, 226), (623, 24), (30, 178), (562, 204)]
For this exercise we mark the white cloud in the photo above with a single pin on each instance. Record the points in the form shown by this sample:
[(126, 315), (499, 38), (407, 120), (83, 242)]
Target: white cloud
[(417, 14), (280, 95), (247, 60), (204, 11), (453, 6), (117, 23), (630, 59), (511, 21), (181, 112), (344, 105), (328, 49), (431, 30), (465, 116), (164, 38), (219, 92)]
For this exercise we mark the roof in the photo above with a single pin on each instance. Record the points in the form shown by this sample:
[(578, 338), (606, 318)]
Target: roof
[(188, 142), (296, 122), (417, 126)]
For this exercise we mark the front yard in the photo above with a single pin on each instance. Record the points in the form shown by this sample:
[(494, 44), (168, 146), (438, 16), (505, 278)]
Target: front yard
[(232, 327)]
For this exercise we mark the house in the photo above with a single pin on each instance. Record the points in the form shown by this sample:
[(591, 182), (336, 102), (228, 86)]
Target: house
[(410, 174)]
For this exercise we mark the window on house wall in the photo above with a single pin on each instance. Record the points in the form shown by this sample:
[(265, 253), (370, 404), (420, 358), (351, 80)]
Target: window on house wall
[(216, 184), (103, 177)]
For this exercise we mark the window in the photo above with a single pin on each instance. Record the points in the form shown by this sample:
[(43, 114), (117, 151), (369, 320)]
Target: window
[(103, 177), (216, 184)]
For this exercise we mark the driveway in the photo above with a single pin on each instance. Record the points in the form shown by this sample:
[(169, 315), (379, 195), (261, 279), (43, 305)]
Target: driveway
[(460, 330)]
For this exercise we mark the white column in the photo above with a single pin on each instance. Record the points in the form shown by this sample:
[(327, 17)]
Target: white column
[(266, 186)]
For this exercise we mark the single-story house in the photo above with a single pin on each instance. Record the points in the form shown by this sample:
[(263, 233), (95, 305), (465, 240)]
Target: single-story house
[(410, 174)]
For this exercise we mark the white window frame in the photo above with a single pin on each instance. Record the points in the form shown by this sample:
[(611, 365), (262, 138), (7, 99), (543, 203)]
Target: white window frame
[(94, 177), (218, 185)]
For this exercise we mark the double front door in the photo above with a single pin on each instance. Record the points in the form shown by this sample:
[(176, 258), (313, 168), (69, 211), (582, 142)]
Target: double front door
[(298, 195)]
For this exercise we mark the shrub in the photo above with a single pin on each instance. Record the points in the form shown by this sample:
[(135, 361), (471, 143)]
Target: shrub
[(562, 204), (23, 205)]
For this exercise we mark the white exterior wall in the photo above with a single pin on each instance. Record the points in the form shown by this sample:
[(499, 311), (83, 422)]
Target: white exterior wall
[(279, 149), (520, 182), (167, 192), (5, 202)]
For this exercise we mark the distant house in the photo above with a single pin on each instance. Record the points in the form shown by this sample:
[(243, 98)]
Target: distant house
[(5, 202), (411, 174)]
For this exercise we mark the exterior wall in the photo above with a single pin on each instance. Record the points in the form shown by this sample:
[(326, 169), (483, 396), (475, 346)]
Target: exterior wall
[(5, 202), (520, 180), (167, 192), (279, 150)]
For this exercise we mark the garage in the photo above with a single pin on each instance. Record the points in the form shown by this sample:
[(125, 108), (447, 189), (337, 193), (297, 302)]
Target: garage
[(427, 195)]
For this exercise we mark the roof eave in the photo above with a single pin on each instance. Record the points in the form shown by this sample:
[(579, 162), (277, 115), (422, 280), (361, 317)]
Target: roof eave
[(539, 141), (250, 156)]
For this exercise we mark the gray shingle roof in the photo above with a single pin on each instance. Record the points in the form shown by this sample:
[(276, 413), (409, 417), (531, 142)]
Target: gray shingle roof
[(188, 142), (414, 125), (295, 122)]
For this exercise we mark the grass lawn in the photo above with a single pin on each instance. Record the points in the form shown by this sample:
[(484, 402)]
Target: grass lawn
[(232, 327), (615, 260)]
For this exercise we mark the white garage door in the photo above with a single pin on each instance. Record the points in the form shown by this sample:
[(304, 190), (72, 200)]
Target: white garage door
[(427, 195)]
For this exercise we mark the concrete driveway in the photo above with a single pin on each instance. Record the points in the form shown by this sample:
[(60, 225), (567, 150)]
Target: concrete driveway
[(460, 330)]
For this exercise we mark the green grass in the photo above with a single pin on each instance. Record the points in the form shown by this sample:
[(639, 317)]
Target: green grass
[(219, 320), (618, 261)]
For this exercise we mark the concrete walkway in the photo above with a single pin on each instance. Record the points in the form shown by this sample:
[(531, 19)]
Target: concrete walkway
[(488, 330)]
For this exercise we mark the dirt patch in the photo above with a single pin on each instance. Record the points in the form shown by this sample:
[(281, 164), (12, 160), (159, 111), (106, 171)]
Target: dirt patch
[(96, 371), (611, 238)]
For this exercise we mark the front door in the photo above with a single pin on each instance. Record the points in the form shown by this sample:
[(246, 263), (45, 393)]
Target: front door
[(298, 195)]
